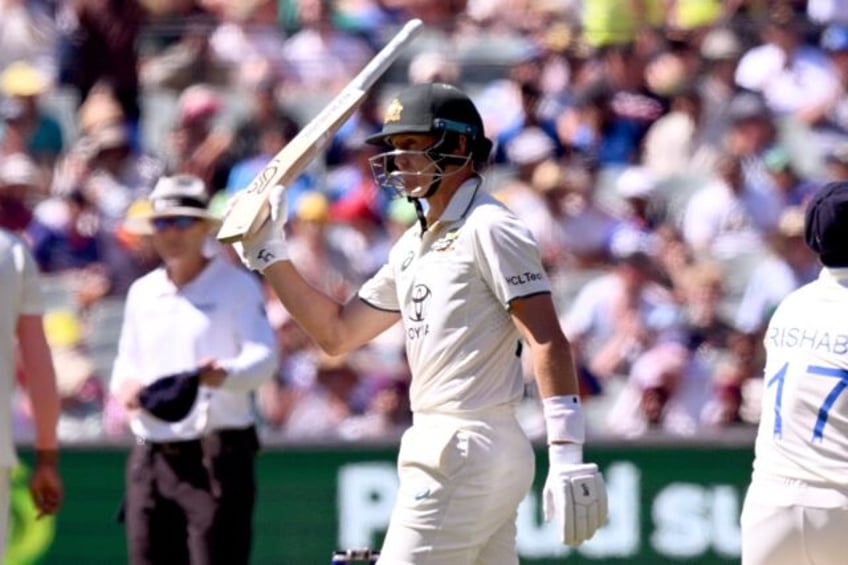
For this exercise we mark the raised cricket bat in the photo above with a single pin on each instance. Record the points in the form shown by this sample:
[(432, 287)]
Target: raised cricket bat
[(252, 209)]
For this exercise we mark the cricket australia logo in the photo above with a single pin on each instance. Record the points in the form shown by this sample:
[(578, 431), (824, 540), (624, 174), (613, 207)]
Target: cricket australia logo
[(446, 243), (393, 112)]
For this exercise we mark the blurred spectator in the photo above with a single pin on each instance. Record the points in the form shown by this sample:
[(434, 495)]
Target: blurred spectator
[(792, 76), (321, 58), (665, 391), (317, 256), (24, 84), (188, 60), (548, 184), (676, 143), (200, 140), (247, 39), (829, 120), (326, 403), (720, 52), (704, 325), (387, 414), (19, 188), (617, 22), (751, 131), (613, 318), (586, 224), (726, 218), (28, 32), (828, 11), (636, 186), (65, 234), (788, 265), (100, 38), (263, 108), (81, 390), (791, 188), (836, 161), (433, 66), (529, 148), (275, 399), (127, 250), (531, 119), (100, 109), (117, 173)]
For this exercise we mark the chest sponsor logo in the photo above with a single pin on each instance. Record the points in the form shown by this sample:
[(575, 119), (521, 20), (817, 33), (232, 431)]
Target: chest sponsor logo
[(420, 298), (524, 278), (446, 243)]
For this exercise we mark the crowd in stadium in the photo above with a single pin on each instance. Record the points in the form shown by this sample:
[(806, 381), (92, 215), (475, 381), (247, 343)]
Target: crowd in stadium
[(662, 152)]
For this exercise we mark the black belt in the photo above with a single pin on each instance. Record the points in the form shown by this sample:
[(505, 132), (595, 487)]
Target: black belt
[(236, 436), (170, 447)]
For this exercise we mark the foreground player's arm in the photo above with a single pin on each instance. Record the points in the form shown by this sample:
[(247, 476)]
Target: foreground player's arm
[(536, 320), (574, 492), (337, 328), (45, 484)]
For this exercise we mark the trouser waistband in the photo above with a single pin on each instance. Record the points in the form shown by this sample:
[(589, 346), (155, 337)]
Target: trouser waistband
[(502, 413)]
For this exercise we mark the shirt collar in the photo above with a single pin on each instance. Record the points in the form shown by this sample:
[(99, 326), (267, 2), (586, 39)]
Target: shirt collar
[(167, 287), (461, 201), (838, 274)]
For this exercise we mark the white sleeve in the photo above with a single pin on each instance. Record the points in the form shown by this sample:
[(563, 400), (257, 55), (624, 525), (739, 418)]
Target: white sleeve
[(509, 259), (380, 291)]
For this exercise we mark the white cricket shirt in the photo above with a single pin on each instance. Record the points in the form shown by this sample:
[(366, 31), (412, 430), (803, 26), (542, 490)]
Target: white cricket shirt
[(452, 286), (20, 296), (803, 432), (218, 315)]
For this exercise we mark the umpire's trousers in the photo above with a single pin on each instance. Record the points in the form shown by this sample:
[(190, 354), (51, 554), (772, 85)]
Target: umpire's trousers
[(191, 502)]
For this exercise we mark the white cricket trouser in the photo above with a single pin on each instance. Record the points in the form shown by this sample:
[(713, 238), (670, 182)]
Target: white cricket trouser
[(461, 481), (787, 523)]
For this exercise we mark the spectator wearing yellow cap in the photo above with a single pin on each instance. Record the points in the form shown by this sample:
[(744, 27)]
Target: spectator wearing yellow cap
[(40, 133)]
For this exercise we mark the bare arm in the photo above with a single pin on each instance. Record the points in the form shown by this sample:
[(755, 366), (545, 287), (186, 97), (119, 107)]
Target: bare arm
[(553, 364), (45, 485), (336, 328), (40, 380)]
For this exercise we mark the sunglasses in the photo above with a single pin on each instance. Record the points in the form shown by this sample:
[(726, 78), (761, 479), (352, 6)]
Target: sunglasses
[(179, 222)]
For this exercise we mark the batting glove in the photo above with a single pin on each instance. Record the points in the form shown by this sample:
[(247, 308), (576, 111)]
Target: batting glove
[(574, 494), (268, 245)]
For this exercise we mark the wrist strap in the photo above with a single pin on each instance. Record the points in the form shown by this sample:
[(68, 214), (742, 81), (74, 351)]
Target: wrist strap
[(564, 419), (565, 454)]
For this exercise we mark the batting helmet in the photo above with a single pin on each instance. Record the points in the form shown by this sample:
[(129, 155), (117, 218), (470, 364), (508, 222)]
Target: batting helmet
[(434, 108)]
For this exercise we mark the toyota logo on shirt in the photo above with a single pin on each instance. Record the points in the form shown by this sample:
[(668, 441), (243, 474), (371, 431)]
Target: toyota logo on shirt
[(420, 295)]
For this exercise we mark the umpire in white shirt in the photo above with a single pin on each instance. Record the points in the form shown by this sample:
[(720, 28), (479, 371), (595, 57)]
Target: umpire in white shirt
[(190, 482)]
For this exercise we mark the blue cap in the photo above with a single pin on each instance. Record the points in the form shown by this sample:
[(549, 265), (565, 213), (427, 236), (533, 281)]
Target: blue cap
[(826, 224), (835, 38), (171, 398)]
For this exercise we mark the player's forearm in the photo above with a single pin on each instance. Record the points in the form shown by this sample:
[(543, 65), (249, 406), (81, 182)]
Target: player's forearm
[(40, 381), (553, 365), (315, 312)]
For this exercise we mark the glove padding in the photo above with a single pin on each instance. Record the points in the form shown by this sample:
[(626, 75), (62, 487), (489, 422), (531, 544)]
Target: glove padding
[(268, 245), (574, 494)]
